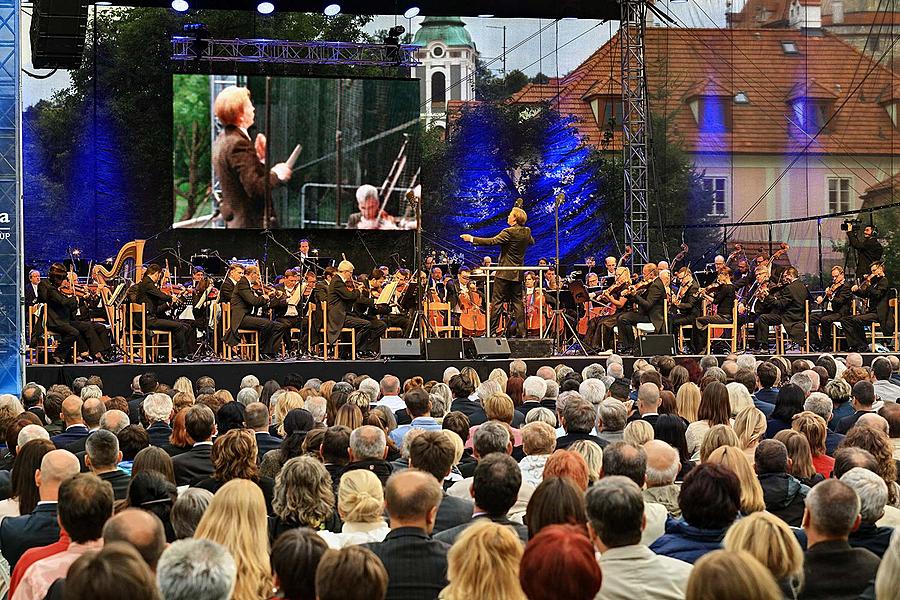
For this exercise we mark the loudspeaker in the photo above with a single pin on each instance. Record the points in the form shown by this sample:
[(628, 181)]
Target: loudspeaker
[(57, 33), (537, 348), (444, 348), (401, 347), (656, 345), (490, 347)]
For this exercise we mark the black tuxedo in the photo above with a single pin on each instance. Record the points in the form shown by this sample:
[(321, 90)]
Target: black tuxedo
[(193, 465), (513, 242), (838, 308), (651, 309), (243, 179), (342, 298), (31, 295), (18, 534), (878, 296), (226, 291), (61, 311), (688, 309), (567, 440), (243, 301), (416, 564), (787, 307), (723, 300), (154, 300)]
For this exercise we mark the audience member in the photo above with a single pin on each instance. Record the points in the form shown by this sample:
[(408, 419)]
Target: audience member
[(196, 569), (484, 564), (772, 543), (873, 495), (862, 399), (106, 574), (433, 452), (630, 461), (351, 573), (559, 562), (234, 456), (188, 510), (303, 497), (361, 508), (783, 494), (663, 465), (102, 458), (256, 417), (142, 530), (731, 574), (159, 411), (196, 463)]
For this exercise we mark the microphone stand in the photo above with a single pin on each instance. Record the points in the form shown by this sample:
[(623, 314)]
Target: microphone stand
[(558, 313)]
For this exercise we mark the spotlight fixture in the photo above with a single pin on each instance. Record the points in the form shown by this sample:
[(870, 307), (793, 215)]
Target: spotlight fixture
[(103, 3), (332, 10), (485, 16), (411, 12), (180, 5), (200, 33), (265, 8), (393, 36)]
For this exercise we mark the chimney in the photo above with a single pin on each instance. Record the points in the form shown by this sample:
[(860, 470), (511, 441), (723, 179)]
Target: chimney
[(806, 14), (837, 12)]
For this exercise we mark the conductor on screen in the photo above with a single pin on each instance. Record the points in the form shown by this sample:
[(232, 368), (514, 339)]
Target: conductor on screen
[(240, 163), (368, 216)]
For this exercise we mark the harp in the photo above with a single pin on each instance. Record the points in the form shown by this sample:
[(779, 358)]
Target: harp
[(128, 263)]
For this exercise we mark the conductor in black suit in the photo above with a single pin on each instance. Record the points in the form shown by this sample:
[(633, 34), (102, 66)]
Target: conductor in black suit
[(342, 296), (154, 299), (513, 242), (243, 301), (650, 305), (240, 163)]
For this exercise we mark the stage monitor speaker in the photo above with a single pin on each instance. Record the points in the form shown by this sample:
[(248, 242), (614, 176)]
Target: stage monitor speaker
[(656, 345), (444, 348), (401, 348), (490, 347), (536, 348), (57, 33)]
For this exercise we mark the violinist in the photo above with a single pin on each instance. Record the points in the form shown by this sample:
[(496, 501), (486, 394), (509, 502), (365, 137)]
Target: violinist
[(536, 312), (750, 303), (284, 302), (389, 313), (721, 296), (734, 261), (784, 305), (686, 304), (249, 293), (202, 294), (610, 273), (155, 301), (235, 273), (61, 320), (875, 288), (836, 303), (743, 278), (31, 288), (343, 294), (649, 297), (600, 328)]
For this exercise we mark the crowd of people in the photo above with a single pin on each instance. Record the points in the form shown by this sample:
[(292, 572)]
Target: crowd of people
[(679, 479)]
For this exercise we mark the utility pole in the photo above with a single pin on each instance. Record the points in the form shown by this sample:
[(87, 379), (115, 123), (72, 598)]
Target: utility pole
[(503, 27)]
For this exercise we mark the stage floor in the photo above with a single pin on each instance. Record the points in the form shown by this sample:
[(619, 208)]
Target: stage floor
[(117, 377)]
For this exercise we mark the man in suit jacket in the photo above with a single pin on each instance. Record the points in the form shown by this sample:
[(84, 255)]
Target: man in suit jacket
[(61, 311), (226, 290), (650, 308), (243, 301), (18, 534), (862, 399), (507, 285), (877, 292), (835, 307), (159, 410), (196, 464), (647, 404), (342, 296), (240, 164), (832, 568), (687, 305), (787, 307), (416, 564), (495, 488), (31, 288), (432, 452), (868, 249), (75, 427), (154, 299), (256, 417)]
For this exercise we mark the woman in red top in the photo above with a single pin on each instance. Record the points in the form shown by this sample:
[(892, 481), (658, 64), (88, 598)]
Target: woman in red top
[(814, 429)]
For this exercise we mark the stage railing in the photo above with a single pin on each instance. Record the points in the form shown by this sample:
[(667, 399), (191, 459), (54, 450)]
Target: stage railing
[(487, 288)]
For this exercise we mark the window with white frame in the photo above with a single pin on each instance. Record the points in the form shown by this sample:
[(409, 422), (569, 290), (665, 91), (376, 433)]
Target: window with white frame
[(838, 194), (715, 188)]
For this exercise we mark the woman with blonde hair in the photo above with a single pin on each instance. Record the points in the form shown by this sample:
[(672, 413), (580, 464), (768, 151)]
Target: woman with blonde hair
[(771, 541), (286, 402), (361, 400), (800, 457), (349, 416), (184, 385), (498, 407), (637, 433), (361, 507), (738, 397), (735, 575), (471, 375), (592, 455), (303, 497), (483, 564), (715, 438), (751, 491), (236, 519), (325, 389), (500, 376), (815, 430), (750, 427)]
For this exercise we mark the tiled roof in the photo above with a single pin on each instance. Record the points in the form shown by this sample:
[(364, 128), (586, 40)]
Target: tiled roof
[(751, 61), (889, 186), (761, 13)]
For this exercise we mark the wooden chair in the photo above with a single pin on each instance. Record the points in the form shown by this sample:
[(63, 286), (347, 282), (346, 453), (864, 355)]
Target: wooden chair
[(781, 332), (716, 331), (837, 329), (139, 339), (682, 328), (875, 328), (248, 339), (338, 343), (447, 330), (48, 338)]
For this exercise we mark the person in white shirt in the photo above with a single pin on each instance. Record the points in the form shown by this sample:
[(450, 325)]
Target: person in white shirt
[(615, 511), (390, 394), (881, 380), (361, 506)]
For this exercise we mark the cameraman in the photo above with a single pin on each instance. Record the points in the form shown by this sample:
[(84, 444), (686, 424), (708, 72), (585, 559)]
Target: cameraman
[(868, 249)]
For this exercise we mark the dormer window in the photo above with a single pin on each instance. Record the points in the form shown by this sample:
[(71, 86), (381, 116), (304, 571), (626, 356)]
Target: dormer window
[(811, 114), (711, 105), (607, 111), (890, 100)]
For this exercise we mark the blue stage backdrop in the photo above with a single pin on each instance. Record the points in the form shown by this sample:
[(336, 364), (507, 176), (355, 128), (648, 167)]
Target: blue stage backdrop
[(489, 175), (11, 331)]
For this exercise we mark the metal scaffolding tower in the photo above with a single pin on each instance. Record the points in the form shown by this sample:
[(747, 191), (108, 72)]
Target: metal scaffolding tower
[(634, 129)]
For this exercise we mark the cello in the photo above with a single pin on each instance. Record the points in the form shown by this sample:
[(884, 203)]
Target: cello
[(471, 318), (536, 310)]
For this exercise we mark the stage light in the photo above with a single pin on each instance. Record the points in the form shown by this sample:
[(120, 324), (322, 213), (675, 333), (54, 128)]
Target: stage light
[(180, 5), (411, 12), (393, 36), (332, 10), (103, 3), (485, 16), (265, 8)]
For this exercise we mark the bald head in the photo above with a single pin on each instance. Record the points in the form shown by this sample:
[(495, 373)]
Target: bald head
[(875, 421), (412, 497), (141, 529), (91, 411), (648, 398), (71, 411), (854, 359), (663, 463), (56, 467)]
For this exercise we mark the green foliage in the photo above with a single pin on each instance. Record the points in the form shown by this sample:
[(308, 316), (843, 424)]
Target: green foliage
[(490, 88)]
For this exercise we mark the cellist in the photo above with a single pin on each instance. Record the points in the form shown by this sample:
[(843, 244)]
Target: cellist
[(536, 311)]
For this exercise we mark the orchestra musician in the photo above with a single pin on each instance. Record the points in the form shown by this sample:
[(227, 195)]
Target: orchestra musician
[(390, 312), (686, 305), (743, 278), (720, 309), (875, 288), (436, 285), (455, 287), (240, 164), (155, 303), (750, 301), (368, 216), (719, 263), (836, 303), (290, 301), (235, 272), (785, 305), (343, 294), (610, 263), (507, 287), (31, 288), (244, 300), (536, 310), (734, 260), (202, 294), (61, 318), (649, 297), (600, 328)]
